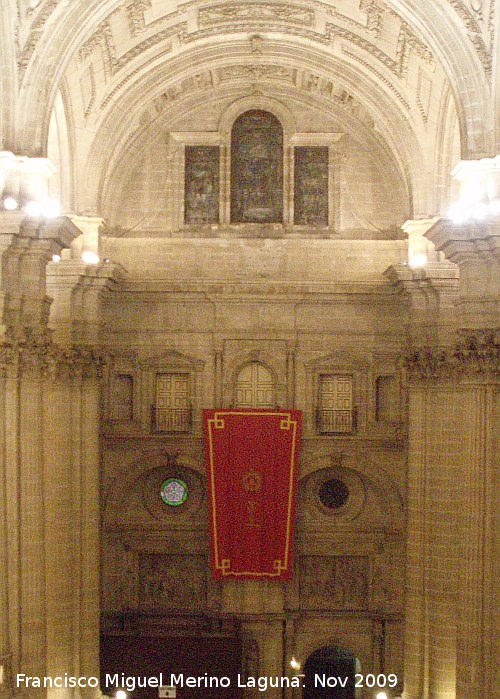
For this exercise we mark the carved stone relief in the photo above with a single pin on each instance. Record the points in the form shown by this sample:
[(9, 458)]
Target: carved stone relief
[(387, 582), (334, 582), (172, 582), (230, 12)]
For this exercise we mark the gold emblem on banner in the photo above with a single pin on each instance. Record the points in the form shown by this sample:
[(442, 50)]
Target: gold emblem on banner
[(252, 481)]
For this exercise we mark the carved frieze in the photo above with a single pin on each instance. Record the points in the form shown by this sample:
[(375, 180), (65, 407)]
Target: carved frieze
[(239, 12), (476, 354), (258, 72), (33, 352), (334, 582), (172, 581)]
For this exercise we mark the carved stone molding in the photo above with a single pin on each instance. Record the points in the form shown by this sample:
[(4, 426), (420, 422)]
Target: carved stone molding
[(477, 354), (33, 353)]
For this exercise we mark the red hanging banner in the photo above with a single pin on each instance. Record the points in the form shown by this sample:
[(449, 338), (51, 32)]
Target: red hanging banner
[(251, 457)]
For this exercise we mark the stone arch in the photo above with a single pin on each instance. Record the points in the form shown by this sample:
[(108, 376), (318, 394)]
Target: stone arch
[(398, 139), (439, 27), (332, 664)]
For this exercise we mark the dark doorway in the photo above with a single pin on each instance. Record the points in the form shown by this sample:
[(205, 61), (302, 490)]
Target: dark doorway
[(329, 674), (147, 656)]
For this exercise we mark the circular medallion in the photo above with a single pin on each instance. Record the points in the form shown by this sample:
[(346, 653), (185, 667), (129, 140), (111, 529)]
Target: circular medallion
[(174, 492)]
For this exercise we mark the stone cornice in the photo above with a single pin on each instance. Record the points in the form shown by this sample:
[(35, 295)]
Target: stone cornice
[(461, 242)]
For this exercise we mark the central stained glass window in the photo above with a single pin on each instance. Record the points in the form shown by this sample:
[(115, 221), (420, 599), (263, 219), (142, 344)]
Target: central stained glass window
[(174, 492), (257, 168)]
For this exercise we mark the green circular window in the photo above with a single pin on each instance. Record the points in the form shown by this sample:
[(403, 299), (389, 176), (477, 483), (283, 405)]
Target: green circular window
[(334, 493), (174, 492)]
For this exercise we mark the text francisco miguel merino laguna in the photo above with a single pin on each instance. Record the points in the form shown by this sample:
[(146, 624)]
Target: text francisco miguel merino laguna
[(130, 683)]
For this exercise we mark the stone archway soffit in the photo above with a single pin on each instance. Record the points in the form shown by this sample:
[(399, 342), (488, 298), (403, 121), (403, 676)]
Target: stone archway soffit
[(51, 44)]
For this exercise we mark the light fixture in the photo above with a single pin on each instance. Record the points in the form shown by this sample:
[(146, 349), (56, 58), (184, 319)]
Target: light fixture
[(418, 260), (10, 204), (33, 209), (121, 694), (294, 664), (91, 258), (381, 695), (56, 258), (51, 209)]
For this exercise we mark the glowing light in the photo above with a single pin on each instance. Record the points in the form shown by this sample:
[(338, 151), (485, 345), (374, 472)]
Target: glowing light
[(121, 694), (418, 260), (51, 209), (381, 695), (479, 211), (33, 208), (458, 213), (294, 664), (91, 258), (56, 258), (10, 204)]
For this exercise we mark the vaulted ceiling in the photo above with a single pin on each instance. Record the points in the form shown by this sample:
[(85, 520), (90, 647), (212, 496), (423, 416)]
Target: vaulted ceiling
[(415, 78)]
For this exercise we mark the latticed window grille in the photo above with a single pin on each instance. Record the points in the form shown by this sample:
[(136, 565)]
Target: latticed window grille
[(335, 413), (172, 410)]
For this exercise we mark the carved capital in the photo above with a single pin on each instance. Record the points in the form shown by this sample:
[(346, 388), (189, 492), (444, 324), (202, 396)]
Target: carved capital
[(32, 353)]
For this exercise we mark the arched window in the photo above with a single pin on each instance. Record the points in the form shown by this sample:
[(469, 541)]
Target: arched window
[(255, 387), (257, 168)]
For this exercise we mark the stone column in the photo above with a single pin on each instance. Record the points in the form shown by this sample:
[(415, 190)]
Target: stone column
[(26, 637), (475, 247)]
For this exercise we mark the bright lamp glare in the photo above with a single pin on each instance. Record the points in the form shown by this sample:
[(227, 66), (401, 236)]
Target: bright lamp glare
[(495, 207), (91, 258), (294, 664), (121, 694), (458, 214), (418, 260), (479, 211), (51, 209), (10, 204), (56, 258), (33, 209), (381, 695)]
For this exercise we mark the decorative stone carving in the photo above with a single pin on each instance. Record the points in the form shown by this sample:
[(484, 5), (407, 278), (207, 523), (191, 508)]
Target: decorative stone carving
[(230, 12), (334, 582), (102, 39), (135, 14), (36, 31), (474, 30), (172, 582), (33, 352), (374, 12), (387, 582), (256, 44), (476, 354), (258, 72)]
